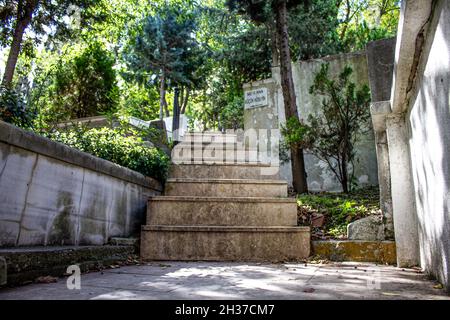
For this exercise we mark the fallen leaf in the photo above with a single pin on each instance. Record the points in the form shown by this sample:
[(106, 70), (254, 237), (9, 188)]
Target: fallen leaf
[(438, 286)]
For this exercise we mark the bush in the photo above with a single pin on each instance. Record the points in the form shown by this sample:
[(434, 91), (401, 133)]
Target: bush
[(13, 108), (112, 145)]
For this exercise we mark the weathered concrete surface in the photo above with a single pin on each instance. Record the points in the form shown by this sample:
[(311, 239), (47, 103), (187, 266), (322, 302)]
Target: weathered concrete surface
[(226, 187), (27, 264), (429, 141), (361, 251), (226, 243), (217, 211), (320, 177), (368, 229), (228, 281), (224, 171), (51, 194), (405, 218), (380, 61), (3, 271)]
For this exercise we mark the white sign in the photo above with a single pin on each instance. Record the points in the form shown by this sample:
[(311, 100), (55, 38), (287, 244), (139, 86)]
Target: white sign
[(256, 98)]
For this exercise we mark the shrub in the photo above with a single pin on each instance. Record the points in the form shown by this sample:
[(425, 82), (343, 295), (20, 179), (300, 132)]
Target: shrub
[(13, 108), (112, 145)]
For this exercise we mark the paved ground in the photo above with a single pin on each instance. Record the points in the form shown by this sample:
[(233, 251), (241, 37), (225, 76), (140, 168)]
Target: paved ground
[(209, 280)]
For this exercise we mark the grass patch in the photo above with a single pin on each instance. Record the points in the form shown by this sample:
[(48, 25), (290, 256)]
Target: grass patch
[(337, 209)]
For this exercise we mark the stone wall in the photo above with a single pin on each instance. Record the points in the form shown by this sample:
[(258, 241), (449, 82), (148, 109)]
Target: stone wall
[(51, 194), (320, 178)]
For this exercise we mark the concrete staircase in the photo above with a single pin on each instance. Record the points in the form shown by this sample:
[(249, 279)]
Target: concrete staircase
[(221, 204)]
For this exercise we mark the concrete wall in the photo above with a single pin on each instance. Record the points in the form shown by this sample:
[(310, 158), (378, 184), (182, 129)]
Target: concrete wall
[(416, 120), (51, 194), (429, 125), (320, 178)]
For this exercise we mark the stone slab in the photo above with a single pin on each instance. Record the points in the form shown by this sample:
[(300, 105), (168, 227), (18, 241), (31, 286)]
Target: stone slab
[(224, 171), (213, 211), (226, 187), (361, 251), (225, 243)]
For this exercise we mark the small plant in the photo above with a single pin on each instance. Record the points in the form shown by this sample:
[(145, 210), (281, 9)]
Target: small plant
[(345, 116)]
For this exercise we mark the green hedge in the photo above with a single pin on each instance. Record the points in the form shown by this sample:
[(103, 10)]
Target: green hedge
[(112, 145)]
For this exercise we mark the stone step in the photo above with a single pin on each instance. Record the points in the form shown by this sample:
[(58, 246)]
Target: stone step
[(225, 171), (217, 160), (216, 243), (226, 187), (210, 137), (219, 211)]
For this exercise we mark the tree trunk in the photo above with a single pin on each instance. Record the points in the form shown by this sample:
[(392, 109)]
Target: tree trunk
[(162, 95), (290, 106), (176, 116), (184, 101), (24, 16), (166, 107)]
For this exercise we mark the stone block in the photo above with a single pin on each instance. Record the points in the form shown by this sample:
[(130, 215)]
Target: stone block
[(369, 229), (359, 251), (225, 171), (226, 187), (213, 211), (188, 243)]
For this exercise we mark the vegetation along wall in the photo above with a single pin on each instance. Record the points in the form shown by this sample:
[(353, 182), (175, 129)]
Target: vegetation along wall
[(51, 194)]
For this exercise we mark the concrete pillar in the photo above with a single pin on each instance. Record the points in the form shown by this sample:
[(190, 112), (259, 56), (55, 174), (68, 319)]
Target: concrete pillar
[(379, 111), (384, 180), (404, 213)]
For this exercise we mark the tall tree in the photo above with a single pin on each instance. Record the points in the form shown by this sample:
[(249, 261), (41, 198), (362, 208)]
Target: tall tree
[(165, 50), (262, 12), (38, 16)]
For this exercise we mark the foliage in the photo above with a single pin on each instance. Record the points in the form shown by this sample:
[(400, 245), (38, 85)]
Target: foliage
[(232, 116), (113, 145), (366, 20), (38, 21), (47, 15), (296, 133), (339, 209), (345, 116), (165, 50), (13, 108), (313, 29), (81, 83), (139, 101)]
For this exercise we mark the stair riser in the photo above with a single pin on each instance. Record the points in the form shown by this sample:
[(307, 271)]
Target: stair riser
[(220, 213), (209, 189), (210, 138), (225, 246), (223, 172)]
